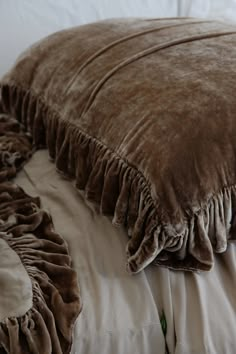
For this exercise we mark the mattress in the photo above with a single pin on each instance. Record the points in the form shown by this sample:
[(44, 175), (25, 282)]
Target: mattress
[(121, 313)]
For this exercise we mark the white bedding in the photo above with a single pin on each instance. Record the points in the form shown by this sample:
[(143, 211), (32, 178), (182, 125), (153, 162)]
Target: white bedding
[(121, 313)]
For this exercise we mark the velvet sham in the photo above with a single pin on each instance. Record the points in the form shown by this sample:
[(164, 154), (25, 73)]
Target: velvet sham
[(142, 114)]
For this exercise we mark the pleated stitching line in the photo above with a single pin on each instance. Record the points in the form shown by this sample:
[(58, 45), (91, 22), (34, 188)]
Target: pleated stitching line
[(138, 56), (122, 40)]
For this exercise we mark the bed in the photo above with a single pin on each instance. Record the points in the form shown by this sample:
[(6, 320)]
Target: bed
[(129, 311), (158, 310)]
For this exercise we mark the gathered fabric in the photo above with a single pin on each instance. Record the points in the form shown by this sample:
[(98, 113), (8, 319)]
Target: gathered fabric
[(48, 301)]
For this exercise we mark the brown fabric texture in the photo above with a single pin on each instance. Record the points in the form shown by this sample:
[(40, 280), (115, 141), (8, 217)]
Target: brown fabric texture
[(28, 229), (141, 113)]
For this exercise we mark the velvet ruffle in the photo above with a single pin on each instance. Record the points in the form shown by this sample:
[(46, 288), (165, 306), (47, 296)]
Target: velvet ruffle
[(47, 327)]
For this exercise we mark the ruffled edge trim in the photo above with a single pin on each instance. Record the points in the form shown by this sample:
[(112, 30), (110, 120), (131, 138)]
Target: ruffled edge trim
[(122, 191), (47, 327), (40, 326)]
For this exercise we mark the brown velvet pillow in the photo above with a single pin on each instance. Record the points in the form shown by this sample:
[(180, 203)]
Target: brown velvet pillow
[(142, 113)]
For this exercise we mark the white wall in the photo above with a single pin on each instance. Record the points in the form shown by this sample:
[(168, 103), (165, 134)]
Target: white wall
[(222, 9)]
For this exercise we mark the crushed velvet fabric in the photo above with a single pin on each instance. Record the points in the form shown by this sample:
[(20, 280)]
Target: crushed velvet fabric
[(46, 326), (141, 113)]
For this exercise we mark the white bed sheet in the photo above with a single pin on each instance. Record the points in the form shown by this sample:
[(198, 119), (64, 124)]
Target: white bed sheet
[(121, 313)]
